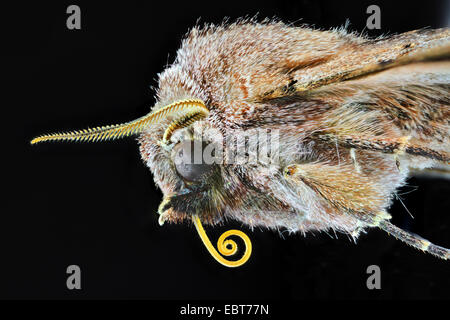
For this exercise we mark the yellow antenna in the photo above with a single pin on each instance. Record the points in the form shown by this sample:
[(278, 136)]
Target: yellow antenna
[(196, 109)]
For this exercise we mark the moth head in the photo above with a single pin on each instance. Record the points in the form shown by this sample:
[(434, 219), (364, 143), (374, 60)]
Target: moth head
[(191, 182), (173, 147)]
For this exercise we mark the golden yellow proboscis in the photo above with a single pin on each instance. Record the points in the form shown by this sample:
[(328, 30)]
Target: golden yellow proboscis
[(226, 247)]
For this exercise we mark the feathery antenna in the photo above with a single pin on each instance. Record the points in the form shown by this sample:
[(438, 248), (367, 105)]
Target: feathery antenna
[(117, 131)]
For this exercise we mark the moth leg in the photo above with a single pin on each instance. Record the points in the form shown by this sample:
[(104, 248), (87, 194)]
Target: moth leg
[(403, 141), (354, 194), (396, 146), (344, 189), (410, 238), (442, 171), (163, 211)]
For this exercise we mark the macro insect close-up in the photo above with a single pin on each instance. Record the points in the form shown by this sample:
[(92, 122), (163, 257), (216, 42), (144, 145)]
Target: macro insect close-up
[(270, 125), (383, 103)]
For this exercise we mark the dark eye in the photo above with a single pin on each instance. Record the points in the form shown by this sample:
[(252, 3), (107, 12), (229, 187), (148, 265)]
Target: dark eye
[(189, 161)]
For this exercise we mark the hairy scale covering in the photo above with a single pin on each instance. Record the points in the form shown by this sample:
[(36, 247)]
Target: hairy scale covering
[(328, 93)]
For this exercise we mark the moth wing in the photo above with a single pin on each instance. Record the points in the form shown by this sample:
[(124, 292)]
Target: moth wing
[(359, 59)]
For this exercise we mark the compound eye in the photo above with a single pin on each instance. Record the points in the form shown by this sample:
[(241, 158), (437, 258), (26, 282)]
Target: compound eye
[(189, 161)]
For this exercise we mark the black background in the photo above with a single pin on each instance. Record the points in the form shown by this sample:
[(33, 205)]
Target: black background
[(94, 205)]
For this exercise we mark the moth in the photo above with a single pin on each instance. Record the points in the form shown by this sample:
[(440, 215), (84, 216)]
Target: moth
[(353, 117)]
